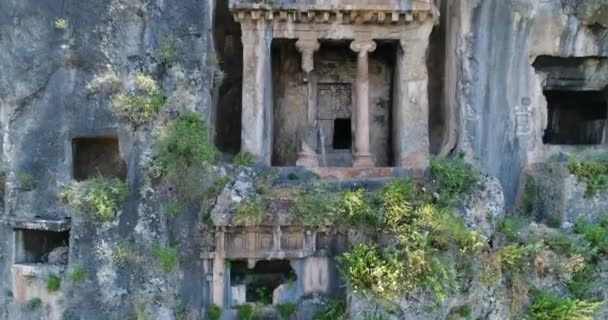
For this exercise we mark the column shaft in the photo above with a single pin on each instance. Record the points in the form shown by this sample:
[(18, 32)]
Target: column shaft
[(256, 133), (362, 156)]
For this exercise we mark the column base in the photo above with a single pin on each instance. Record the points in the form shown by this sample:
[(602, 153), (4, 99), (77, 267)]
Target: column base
[(363, 161), (307, 160)]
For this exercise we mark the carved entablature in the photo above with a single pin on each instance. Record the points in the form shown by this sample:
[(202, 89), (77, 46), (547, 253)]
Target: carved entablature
[(266, 243), (381, 12)]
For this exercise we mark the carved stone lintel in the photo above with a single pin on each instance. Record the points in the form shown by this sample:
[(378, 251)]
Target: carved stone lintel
[(308, 47)]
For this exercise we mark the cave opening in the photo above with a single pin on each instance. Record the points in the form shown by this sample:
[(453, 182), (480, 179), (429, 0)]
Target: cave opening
[(97, 156), (258, 285), (576, 117), (41, 246)]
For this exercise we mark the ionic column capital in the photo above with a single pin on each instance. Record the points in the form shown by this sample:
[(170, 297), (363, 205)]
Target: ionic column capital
[(307, 46), (363, 46)]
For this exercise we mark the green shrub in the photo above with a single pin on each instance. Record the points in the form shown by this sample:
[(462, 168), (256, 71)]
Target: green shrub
[(33, 304), (185, 152), (593, 173), (77, 275), (171, 208), (121, 254), (506, 228), (167, 51), (244, 159), (550, 307), (454, 178), (354, 210), (141, 104), (316, 209), (166, 257), (595, 234), (99, 195), (250, 212), (332, 309), (213, 312), (53, 283), (396, 205), (26, 181), (513, 257), (248, 312), (371, 271), (286, 310), (292, 176)]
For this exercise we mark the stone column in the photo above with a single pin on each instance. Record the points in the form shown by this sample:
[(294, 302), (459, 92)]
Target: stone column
[(307, 157), (411, 106), (256, 133), (362, 156)]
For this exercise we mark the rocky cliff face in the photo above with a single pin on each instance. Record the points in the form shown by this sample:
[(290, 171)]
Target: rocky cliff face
[(51, 52), (61, 63), (496, 111)]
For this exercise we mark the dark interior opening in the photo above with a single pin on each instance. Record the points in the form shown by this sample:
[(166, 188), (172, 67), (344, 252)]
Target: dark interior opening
[(97, 156), (228, 80), (40, 246), (576, 117), (263, 279), (342, 134)]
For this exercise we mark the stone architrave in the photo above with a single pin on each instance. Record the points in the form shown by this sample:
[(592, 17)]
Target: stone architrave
[(256, 133), (362, 156)]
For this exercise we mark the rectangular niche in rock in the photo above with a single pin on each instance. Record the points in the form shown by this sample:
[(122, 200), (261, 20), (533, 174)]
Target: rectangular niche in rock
[(94, 156), (576, 117), (41, 246), (576, 91)]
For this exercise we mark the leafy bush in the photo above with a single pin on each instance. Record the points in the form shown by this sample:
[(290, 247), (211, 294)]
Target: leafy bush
[(213, 312), (454, 178), (99, 195), (244, 159), (142, 104), (316, 209), (166, 257), (167, 51), (513, 257), (33, 304), (185, 152), (369, 270), (248, 312), (353, 209), (595, 234), (53, 283), (171, 208), (77, 274), (286, 310), (593, 172), (250, 212), (550, 307), (332, 309), (506, 228)]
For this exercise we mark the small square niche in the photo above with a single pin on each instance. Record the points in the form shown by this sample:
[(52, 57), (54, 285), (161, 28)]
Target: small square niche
[(93, 156), (41, 246)]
